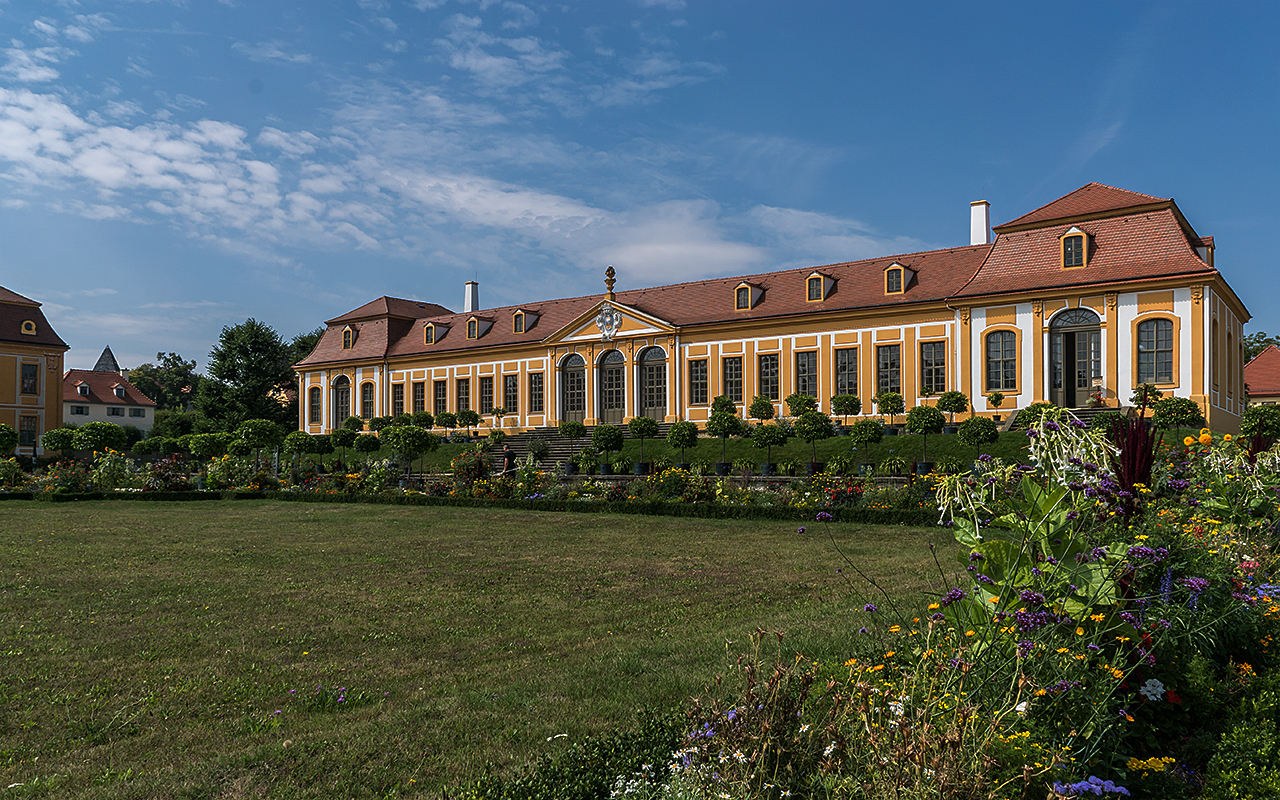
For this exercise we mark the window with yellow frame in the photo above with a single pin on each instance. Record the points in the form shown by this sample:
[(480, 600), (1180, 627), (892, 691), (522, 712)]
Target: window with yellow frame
[(1075, 248)]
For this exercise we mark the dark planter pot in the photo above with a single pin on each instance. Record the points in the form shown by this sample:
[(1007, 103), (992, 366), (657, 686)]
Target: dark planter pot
[(684, 467), (890, 431), (606, 468), (722, 468), (842, 431), (924, 467), (639, 468), (768, 469), (570, 468), (815, 467), (950, 429)]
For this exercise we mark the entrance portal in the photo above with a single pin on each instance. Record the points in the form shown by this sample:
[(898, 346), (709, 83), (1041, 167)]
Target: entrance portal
[(653, 384), (573, 381), (1075, 356), (613, 394)]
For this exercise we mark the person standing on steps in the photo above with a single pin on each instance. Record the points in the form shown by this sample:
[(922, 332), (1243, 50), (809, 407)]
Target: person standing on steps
[(508, 459)]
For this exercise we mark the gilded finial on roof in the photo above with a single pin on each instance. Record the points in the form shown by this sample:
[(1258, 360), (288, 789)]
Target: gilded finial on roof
[(609, 280)]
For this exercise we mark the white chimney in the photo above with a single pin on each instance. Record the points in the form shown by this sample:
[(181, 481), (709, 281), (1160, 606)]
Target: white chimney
[(979, 222), (471, 298)]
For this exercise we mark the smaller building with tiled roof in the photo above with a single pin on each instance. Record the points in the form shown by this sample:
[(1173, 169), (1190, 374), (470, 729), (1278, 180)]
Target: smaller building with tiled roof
[(1262, 377), (104, 394), (31, 359)]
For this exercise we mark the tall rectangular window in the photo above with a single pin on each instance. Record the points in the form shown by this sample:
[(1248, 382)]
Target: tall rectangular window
[(366, 400), (889, 368), (697, 383), (536, 402), (31, 379), (314, 409), (807, 373), (933, 366), (486, 395), (1073, 251), (731, 378), (768, 376), (511, 393), (397, 399), (1002, 361), (440, 392), (464, 394), (419, 397), (847, 371), (1155, 351), (27, 431)]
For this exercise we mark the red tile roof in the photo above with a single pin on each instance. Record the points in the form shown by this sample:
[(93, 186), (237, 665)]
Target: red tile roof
[(857, 285), (1262, 373), (101, 389), (1128, 247), (391, 306), (1092, 198), (16, 309)]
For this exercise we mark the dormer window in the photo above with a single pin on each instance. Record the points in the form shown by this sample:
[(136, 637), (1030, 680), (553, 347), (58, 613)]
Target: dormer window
[(517, 322), (817, 287), (348, 338), (428, 334), (473, 329), (746, 296), (28, 327), (893, 281), (1075, 248), (83, 389), (119, 390)]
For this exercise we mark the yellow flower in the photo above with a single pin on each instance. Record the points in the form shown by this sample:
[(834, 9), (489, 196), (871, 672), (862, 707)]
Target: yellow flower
[(1226, 437), (934, 606), (1079, 631), (1206, 439), (1097, 617), (969, 633), (1190, 440)]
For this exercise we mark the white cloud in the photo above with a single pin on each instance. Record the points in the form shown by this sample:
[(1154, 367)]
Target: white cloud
[(32, 66), (269, 51)]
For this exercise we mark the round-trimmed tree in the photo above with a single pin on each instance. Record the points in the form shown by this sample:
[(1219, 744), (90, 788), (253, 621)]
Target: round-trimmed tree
[(953, 402), (99, 436), (977, 431), (767, 437), (799, 404), (845, 405), (424, 419), (1176, 412), (367, 443), (353, 423), (643, 428), (812, 427), (925, 420), (58, 439), (762, 409), (447, 420), (681, 436), (606, 438), (468, 419), (890, 403), (864, 433), (724, 424)]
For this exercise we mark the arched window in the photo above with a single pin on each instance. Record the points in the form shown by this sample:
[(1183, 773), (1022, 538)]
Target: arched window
[(573, 398), (341, 400), (1002, 361), (1231, 367), (313, 405), (653, 383), (1155, 351), (366, 400)]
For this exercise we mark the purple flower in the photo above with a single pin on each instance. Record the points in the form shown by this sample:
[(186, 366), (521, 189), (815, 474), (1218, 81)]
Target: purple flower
[(800, 529), (953, 596), (823, 517), (1024, 648), (1031, 598), (870, 608), (976, 556), (1196, 585)]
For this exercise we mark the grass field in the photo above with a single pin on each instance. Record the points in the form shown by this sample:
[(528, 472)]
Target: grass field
[(253, 649)]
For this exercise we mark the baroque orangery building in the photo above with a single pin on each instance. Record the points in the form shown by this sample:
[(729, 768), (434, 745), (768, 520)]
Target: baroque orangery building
[(1087, 297)]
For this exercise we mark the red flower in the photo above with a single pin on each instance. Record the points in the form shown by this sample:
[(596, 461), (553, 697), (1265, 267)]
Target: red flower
[(1173, 697)]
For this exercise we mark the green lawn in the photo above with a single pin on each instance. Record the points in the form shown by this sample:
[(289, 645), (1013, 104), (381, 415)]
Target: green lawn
[(148, 646)]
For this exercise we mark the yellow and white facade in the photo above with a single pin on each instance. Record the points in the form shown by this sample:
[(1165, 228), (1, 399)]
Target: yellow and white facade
[(31, 358)]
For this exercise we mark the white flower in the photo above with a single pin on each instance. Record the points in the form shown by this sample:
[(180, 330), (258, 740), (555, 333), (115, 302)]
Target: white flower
[(1021, 708), (1153, 690), (804, 728), (895, 707), (831, 748)]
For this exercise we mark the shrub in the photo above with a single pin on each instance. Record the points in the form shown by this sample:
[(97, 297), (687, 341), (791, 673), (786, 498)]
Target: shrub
[(468, 419), (468, 467), (424, 419), (890, 403), (209, 445), (1145, 395), (1105, 421), (799, 404), (996, 399), (767, 437), (58, 439), (11, 473), (977, 431), (538, 448), (298, 443), (99, 437), (447, 420), (1030, 416), (953, 403), (762, 409), (606, 438), (353, 423), (8, 438), (813, 426), (681, 436), (260, 434), (497, 437), (846, 404), (723, 403), (1264, 420), (367, 443)]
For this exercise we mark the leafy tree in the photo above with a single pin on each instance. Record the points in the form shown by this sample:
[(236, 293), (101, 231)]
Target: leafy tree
[(996, 399), (353, 423), (977, 431), (238, 447), (1264, 420), (424, 419), (259, 434), (925, 420), (724, 424), (723, 403), (761, 409), (302, 344), (606, 438), (174, 423), (367, 443), (498, 413), (1030, 416), (682, 435), (846, 404), (767, 437), (157, 445), (324, 445), (1255, 343), (953, 402), (342, 438), (1145, 395), (380, 423), (250, 377), (468, 419), (58, 439), (172, 382), (890, 403), (866, 432), (410, 441), (643, 428), (813, 426), (100, 436), (209, 445), (298, 443), (572, 429), (1176, 412), (799, 404), (8, 438), (132, 435)]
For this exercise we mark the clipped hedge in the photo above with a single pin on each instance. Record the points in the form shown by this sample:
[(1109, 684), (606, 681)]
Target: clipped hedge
[(17, 495), (72, 497), (867, 516)]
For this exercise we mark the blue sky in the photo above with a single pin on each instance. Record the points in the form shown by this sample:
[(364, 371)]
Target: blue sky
[(168, 168)]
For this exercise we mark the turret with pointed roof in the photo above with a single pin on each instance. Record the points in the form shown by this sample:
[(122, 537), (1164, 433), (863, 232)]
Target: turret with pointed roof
[(106, 362)]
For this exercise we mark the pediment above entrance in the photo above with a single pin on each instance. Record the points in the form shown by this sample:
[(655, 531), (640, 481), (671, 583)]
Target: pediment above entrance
[(609, 320)]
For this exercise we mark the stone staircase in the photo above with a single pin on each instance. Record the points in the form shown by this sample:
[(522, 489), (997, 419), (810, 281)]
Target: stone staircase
[(561, 449)]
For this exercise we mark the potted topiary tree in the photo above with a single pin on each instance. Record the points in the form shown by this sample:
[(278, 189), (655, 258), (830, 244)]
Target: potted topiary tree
[(681, 436), (864, 433), (353, 423), (724, 423), (890, 403), (573, 431), (60, 439), (642, 428), (767, 437), (762, 409), (342, 438), (995, 399), (498, 413), (844, 405), (925, 420), (952, 402), (1176, 412), (424, 419), (813, 426), (799, 404), (606, 439), (977, 431), (296, 445), (368, 444), (468, 419)]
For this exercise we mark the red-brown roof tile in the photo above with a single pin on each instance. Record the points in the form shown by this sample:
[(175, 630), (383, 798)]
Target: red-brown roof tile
[(1092, 198), (1262, 373), (7, 296), (101, 389), (391, 306), (16, 309), (1127, 247)]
